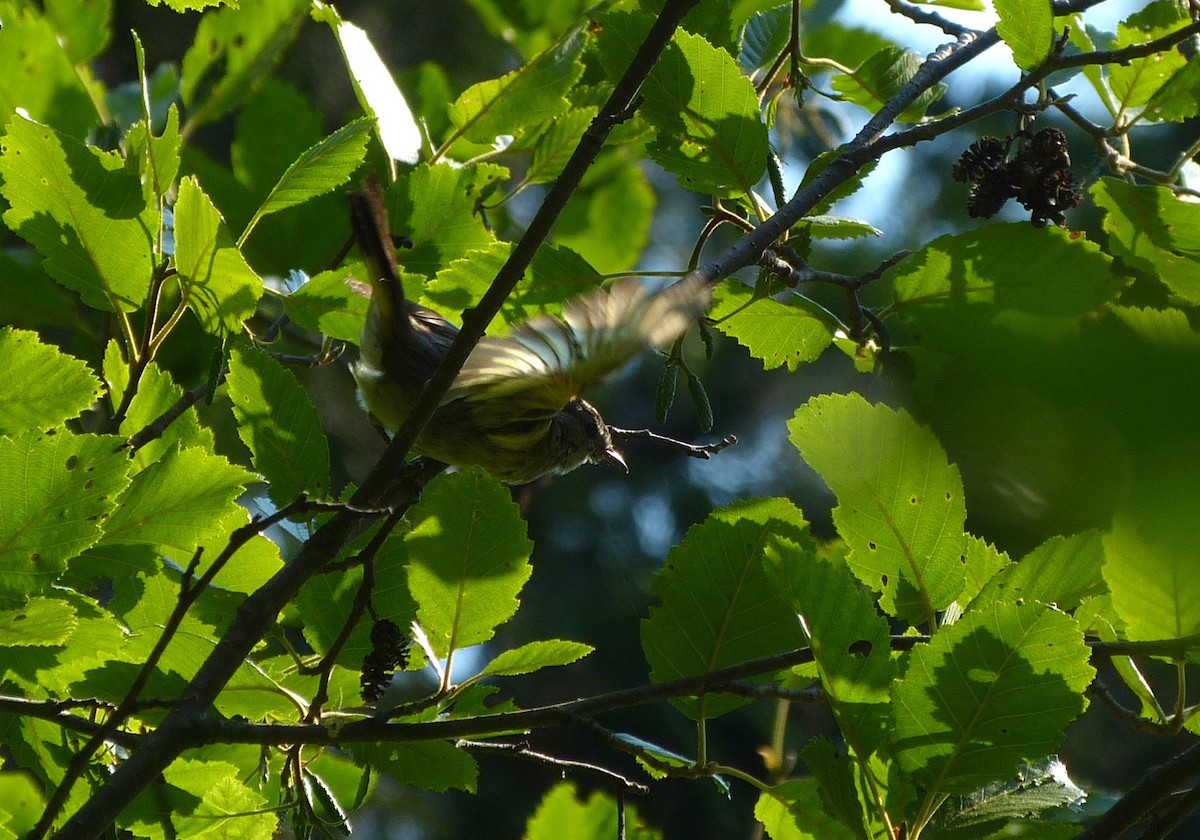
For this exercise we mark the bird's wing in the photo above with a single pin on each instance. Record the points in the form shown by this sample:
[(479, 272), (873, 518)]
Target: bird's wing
[(548, 360)]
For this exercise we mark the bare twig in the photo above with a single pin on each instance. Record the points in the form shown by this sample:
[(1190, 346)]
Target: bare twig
[(523, 750), (703, 451)]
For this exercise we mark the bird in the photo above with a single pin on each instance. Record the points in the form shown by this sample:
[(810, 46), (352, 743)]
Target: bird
[(515, 407)]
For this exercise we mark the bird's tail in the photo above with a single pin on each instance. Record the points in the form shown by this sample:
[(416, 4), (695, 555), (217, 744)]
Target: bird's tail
[(369, 218)]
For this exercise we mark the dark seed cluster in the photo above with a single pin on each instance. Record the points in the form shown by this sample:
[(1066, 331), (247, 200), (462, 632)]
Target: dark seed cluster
[(389, 650), (1038, 175)]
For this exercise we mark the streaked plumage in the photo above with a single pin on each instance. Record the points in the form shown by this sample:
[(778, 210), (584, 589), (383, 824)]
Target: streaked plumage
[(515, 408)]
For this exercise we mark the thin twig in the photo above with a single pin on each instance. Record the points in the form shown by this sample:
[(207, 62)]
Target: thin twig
[(522, 750), (703, 451)]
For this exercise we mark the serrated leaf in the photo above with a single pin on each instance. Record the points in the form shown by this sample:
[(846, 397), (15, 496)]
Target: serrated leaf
[(1027, 27), (55, 490), (327, 602), (709, 131), (1063, 571), (84, 26), (836, 772), (318, 170), (468, 559), (1038, 787), (156, 393), (83, 211), (793, 811), (157, 158), (764, 37), (1148, 556), (900, 501), (219, 285), (554, 146), (526, 96), (41, 386), (1134, 83), (825, 226), (534, 656), (563, 814), (226, 807), (555, 275), (37, 77), (1154, 232), (178, 503), (1179, 97), (992, 691), (848, 637), (328, 304), (38, 622), (279, 424), (983, 563), (429, 765), (23, 801), (956, 284), (777, 333), (716, 605), (378, 94), (881, 76), (436, 207), (234, 47)]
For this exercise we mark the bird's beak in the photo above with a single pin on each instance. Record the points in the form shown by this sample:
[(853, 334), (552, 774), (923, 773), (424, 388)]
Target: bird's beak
[(613, 456)]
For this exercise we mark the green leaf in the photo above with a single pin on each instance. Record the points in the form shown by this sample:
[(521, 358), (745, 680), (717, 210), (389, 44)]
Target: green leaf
[(534, 656), (218, 284), (988, 693), (377, 92), (226, 807), (983, 563), (848, 637), (280, 426), (326, 602), (777, 333), (41, 386), (793, 810), (178, 503), (436, 766), (37, 77), (320, 169), (233, 48), (522, 98), (554, 146), (38, 622), (28, 297), (23, 801), (1134, 83), (84, 26), (836, 773), (881, 76), (764, 37), (1148, 560), (607, 220), (1027, 27), (716, 605), (957, 283), (563, 814), (435, 206), (1179, 97), (157, 158), (1154, 232), (555, 275), (156, 394), (1040, 786), (825, 226), (709, 131), (1063, 571), (83, 210), (468, 559), (900, 502), (328, 304), (55, 490)]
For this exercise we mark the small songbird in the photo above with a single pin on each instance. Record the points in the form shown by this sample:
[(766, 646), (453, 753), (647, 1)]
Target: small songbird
[(514, 409)]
